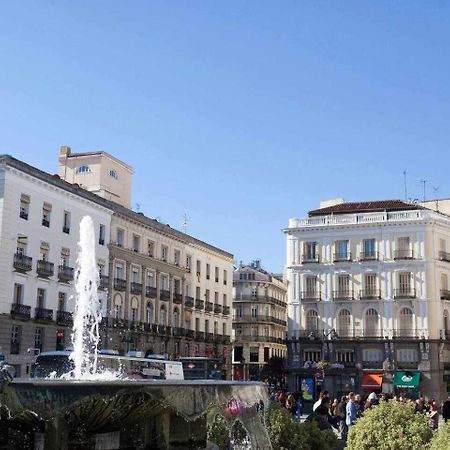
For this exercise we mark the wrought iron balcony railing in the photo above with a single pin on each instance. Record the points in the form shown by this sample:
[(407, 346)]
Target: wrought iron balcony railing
[(22, 262), (45, 268)]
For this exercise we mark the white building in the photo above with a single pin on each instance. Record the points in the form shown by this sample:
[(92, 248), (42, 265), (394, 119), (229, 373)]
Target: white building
[(368, 297), (39, 232)]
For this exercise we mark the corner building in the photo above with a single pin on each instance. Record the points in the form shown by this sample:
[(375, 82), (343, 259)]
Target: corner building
[(369, 298)]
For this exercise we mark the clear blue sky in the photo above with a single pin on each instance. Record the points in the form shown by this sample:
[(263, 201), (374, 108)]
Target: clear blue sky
[(241, 114)]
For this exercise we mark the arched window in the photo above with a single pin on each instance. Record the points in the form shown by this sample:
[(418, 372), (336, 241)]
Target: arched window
[(371, 322), (83, 169), (117, 307), (149, 312), (163, 315), (176, 318), (344, 323), (134, 309), (113, 173), (312, 320), (406, 322)]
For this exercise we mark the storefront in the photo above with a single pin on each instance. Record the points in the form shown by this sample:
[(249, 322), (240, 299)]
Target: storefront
[(407, 384), (371, 382)]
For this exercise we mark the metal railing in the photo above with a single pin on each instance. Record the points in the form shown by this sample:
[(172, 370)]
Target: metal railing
[(343, 294), (445, 294), (104, 281), (65, 273), (21, 311), (188, 301), (310, 296), (64, 318), (370, 294), (444, 256), (43, 314), (217, 309), (45, 268), (310, 259), (22, 262), (178, 298), (404, 254), (150, 291), (405, 292), (208, 306), (368, 256), (199, 304), (226, 310), (120, 284), (342, 257), (135, 288)]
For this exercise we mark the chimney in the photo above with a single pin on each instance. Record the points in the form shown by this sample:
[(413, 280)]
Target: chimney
[(64, 150)]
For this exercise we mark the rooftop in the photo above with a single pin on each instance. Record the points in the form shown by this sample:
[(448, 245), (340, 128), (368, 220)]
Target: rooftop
[(365, 207)]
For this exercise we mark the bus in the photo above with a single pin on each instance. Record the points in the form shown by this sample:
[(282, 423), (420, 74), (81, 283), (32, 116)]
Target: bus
[(203, 368), (55, 364)]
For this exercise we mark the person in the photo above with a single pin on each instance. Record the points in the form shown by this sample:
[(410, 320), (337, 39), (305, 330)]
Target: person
[(433, 416), (291, 404), (446, 409), (372, 400), (282, 398), (299, 405), (319, 401), (420, 405), (350, 411), (359, 406), (320, 416), (6, 374), (341, 411)]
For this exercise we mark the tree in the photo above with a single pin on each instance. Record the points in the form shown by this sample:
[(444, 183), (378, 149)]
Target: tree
[(390, 426), (441, 439), (273, 370)]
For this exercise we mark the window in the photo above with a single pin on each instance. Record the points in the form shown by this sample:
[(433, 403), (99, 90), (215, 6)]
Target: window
[(38, 338), (224, 329), (343, 285), (176, 257), (44, 251), (66, 222), (135, 275), (371, 322), (206, 326), (40, 298), (312, 355), (207, 295), (163, 315), (188, 262), (150, 249), (216, 297), (407, 355), (119, 272), (406, 325), (372, 355), (65, 257), (197, 293), (61, 301), (341, 248), (83, 169), (238, 311), (370, 283), (164, 251), (133, 315), (46, 211), (151, 279), (113, 174), (254, 291), (176, 318), (254, 354), (136, 243), (149, 312), (444, 282), (16, 334), (207, 271), (344, 323), (369, 249), (224, 301), (199, 264), (404, 282), (60, 340), (21, 246), (345, 356), (254, 312), (18, 293), (164, 282), (120, 237), (225, 277), (312, 320), (216, 274), (311, 286), (403, 248), (310, 251), (101, 234), (24, 206), (176, 286)]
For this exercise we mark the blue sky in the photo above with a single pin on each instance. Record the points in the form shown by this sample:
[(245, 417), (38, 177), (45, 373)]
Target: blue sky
[(240, 114)]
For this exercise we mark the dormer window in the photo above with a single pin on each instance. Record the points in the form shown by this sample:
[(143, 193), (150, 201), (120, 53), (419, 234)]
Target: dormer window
[(113, 173), (83, 169)]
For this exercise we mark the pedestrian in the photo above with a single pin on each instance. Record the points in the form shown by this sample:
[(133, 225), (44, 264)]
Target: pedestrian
[(420, 405), (350, 409), (341, 411), (372, 400), (319, 401), (359, 406), (433, 416), (291, 404), (446, 409), (299, 405)]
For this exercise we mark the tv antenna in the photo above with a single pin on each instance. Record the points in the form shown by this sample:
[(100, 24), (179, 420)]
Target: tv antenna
[(185, 222), (138, 207), (424, 185), (406, 188)]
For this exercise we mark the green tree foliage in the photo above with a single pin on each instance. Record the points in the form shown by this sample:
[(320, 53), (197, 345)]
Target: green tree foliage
[(286, 434), (441, 439), (390, 426)]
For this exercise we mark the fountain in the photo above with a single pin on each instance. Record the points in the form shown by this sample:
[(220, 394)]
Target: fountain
[(91, 409)]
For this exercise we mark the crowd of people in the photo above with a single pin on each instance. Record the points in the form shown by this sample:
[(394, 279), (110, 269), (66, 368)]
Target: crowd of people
[(341, 414)]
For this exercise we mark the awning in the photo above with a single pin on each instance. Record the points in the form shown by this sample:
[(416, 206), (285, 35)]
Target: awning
[(407, 380), (372, 380)]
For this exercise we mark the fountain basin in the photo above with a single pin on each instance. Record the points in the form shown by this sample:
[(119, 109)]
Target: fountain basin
[(157, 414)]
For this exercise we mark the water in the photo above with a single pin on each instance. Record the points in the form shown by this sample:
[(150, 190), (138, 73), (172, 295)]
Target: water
[(87, 314)]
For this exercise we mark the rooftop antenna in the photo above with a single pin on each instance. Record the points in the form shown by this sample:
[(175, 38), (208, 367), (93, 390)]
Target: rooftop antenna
[(185, 222), (424, 183), (406, 188), (138, 207)]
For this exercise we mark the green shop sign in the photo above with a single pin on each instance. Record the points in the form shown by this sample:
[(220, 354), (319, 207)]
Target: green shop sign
[(407, 380)]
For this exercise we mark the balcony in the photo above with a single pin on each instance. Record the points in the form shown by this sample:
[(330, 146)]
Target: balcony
[(178, 332), (444, 256), (445, 294), (370, 294), (217, 309), (343, 295), (209, 337), (310, 259), (188, 302), (23, 215), (208, 306), (226, 311), (46, 223), (22, 263), (199, 304), (407, 365), (342, 257), (178, 298), (226, 339), (136, 288), (164, 295), (150, 327), (44, 268), (64, 318), (104, 282), (218, 339), (200, 336), (190, 334), (150, 291), (310, 296), (44, 315), (404, 293), (66, 230), (19, 311), (120, 284), (368, 256), (65, 273), (403, 254), (409, 334)]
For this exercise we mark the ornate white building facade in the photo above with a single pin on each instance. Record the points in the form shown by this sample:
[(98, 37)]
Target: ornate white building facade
[(369, 298)]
